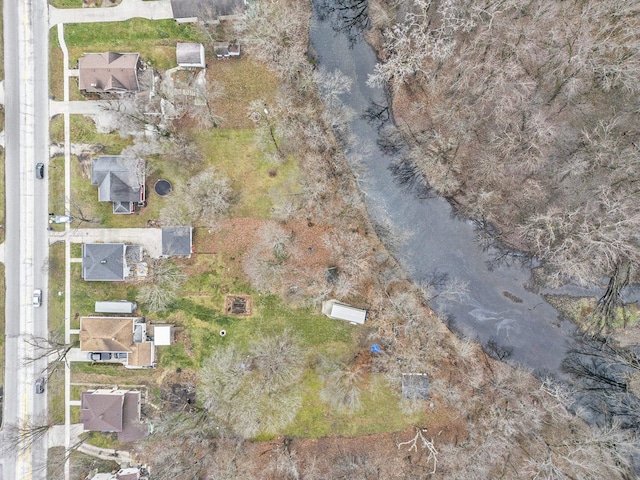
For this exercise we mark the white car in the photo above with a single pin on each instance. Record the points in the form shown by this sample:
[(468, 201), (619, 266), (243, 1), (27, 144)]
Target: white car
[(36, 300)]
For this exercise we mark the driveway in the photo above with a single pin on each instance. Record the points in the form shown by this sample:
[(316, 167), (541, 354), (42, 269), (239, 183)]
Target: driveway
[(149, 238), (152, 10)]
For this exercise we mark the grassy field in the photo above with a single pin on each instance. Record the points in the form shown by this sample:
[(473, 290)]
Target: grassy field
[(66, 3), (155, 41), (258, 181), (85, 294)]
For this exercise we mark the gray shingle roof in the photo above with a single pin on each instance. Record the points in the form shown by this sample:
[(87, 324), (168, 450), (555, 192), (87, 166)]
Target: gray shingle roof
[(119, 179), (203, 9), (176, 240), (103, 261), (190, 54)]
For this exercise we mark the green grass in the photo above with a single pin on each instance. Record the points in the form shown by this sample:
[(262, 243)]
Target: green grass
[(2, 194), (55, 393), (155, 41), (235, 154), (2, 322), (83, 130), (66, 3), (85, 294), (56, 284), (76, 250), (56, 67), (56, 187)]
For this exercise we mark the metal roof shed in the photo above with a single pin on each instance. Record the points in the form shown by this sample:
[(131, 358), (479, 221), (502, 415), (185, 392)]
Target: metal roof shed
[(119, 306), (341, 311)]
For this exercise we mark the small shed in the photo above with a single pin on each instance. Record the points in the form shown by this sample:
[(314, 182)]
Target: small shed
[(342, 311), (190, 55), (162, 335), (118, 306), (226, 49)]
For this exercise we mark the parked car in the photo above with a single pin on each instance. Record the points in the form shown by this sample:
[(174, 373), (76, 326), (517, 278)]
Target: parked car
[(39, 170), (99, 356), (120, 355), (36, 299), (61, 219), (40, 385)]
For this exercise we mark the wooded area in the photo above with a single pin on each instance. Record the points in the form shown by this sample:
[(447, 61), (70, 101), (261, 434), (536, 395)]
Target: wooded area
[(525, 114)]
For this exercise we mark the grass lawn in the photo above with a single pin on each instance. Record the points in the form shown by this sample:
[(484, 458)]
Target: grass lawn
[(56, 285), (85, 294), (2, 322), (83, 130), (56, 67), (155, 41), (66, 3), (56, 188), (259, 182), (2, 196), (55, 392)]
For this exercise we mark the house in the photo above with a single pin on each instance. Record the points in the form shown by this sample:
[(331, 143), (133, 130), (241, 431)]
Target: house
[(108, 72), (114, 410), (342, 311), (120, 180), (226, 49), (415, 386), (124, 337), (189, 11), (177, 241), (104, 262), (190, 55)]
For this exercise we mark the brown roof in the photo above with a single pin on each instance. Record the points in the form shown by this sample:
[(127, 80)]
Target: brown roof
[(101, 410), (113, 411), (141, 355), (106, 334), (108, 72)]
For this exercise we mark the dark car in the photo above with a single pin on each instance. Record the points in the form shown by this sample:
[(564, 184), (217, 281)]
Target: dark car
[(40, 385), (39, 170), (99, 356)]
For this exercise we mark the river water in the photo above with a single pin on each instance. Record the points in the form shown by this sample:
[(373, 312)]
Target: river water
[(496, 306)]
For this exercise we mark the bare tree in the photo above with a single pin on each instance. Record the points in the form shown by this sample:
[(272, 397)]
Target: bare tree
[(202, 200), (163, 285)]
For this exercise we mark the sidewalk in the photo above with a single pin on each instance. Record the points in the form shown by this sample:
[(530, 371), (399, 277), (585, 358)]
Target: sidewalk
[(152, 10)]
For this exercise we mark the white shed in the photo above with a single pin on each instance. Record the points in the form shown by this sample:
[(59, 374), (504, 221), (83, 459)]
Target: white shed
[(162, 335), (190, 55), (118, 306), (342, 311)]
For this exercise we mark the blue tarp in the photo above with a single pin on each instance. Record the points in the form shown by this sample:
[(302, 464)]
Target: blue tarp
[(375, 348)]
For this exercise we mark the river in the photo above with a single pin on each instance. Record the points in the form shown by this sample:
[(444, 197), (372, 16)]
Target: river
[(496, 308)]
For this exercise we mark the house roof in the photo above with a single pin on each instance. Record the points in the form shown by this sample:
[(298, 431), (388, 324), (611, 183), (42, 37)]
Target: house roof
[(177, 240), (142, 355), (190, 54), (108, 72), (205, 9), (103, 261), (119, 179), (106, 334), (113, 411), (101, 410)]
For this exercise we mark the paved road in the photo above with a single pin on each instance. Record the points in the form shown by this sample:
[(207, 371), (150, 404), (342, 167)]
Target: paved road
[(153, 10), (26, 248)]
